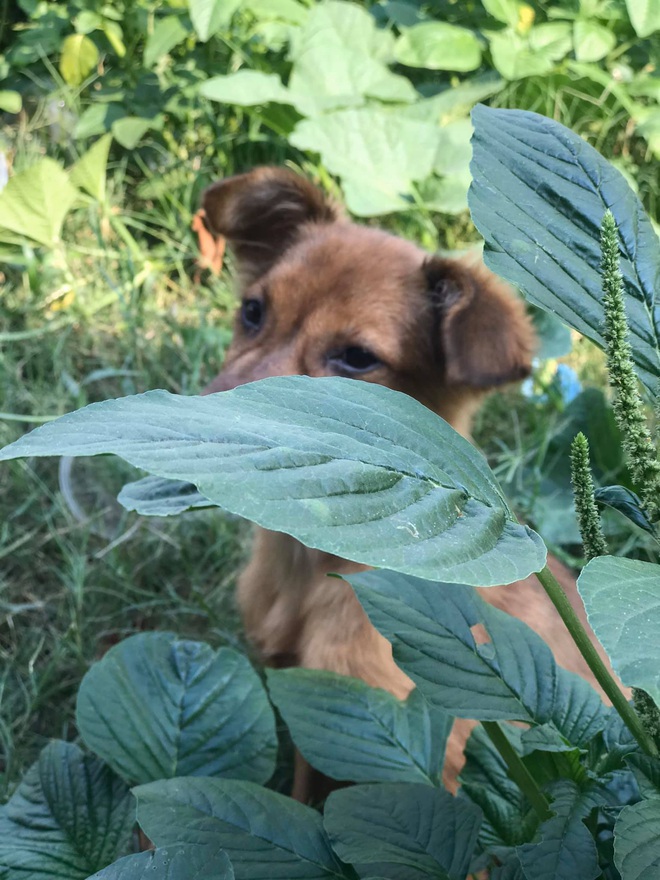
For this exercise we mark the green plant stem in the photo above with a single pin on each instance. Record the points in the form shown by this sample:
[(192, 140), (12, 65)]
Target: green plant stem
[(519, 773), (594, 661)]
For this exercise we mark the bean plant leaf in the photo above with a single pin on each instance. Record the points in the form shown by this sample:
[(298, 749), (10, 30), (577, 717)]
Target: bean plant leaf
[(351, 731), (69, 817), (168, 32), (35, 202), (512, 676), (566, 848), (154, 496), (156, 707), (265, 834), (210, 16), (177, 862), (89, 171), (627, 503), (637, 841), (622, 599), (78, 58), (538, 197), (350, 468), (436, 45), (403, 830), (592, 41), (644, 16), (246, 88)]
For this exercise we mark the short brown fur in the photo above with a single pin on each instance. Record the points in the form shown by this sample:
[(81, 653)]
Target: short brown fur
[(443, 331)]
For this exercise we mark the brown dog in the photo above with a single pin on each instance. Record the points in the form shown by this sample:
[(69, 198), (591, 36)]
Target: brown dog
[(322, 296)]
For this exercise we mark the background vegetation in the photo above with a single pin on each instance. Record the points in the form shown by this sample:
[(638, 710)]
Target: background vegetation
[(116, 116)]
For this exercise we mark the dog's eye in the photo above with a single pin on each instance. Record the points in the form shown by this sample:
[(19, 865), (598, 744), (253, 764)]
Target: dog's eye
[(252, 314), (355, 359)]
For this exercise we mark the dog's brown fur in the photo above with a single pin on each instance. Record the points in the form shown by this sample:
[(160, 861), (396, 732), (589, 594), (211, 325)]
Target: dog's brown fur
[(443, 331)]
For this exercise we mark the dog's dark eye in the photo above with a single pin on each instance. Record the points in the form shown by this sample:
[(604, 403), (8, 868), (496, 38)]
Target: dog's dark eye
[(355, 359), (252, 314)]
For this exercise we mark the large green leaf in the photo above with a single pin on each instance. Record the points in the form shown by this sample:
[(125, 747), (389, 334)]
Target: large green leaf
[(69, 817), (177, 862), (377, 153), (156, 707), (349, 730), (339, 59), (637, 841), (566, 849), (168, 32), (350, 468), (78, 58), (437, 45), (538, 197), (592, 40), (644, 16), (266, 835), (403, 830), (512, 676), (622, 598), (35, 202)]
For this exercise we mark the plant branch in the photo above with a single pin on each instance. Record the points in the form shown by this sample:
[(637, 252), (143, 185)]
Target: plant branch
[(594, 660), (517, 769)]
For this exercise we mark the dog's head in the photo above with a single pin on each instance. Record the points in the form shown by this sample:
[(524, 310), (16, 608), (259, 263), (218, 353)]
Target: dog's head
[(322, 296)]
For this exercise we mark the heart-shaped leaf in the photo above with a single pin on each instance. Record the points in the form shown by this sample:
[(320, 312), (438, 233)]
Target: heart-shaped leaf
[(156, 707), (354, 469)]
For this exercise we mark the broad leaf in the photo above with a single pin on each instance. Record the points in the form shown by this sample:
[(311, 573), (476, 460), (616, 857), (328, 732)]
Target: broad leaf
[(637, 841), (153, 496), (512, 676), (210, 16), (437, 45), (644, 16), (339, 59), (168, 32), (350, 468), (129, 130), (647, 773), (566, 849), (514, 57), (78, 58), (622, 599), (403, 830), (177, 862), (89, 171), (377, 153), (246, 88), (266, 835), (69, 817), (538, 197), (592, 40), (351, 731), (35, 202), (156, 707)]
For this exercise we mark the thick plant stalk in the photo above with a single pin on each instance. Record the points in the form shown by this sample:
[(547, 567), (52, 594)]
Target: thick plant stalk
[(593, 539), (628, 405), (517, 770), (594, 661)]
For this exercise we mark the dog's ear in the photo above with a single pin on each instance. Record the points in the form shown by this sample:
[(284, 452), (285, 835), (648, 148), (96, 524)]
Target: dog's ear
[(485, 336), (260, 213)]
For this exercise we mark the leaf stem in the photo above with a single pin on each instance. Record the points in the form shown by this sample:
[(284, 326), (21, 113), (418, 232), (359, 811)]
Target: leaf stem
[(518, 771), (594, 660)]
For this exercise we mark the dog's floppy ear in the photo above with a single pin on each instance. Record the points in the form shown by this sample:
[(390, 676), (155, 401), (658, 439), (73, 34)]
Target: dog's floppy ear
[(260, 213), (485, 336)]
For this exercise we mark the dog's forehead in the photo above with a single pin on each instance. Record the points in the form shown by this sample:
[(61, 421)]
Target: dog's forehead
[(347, 266)]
